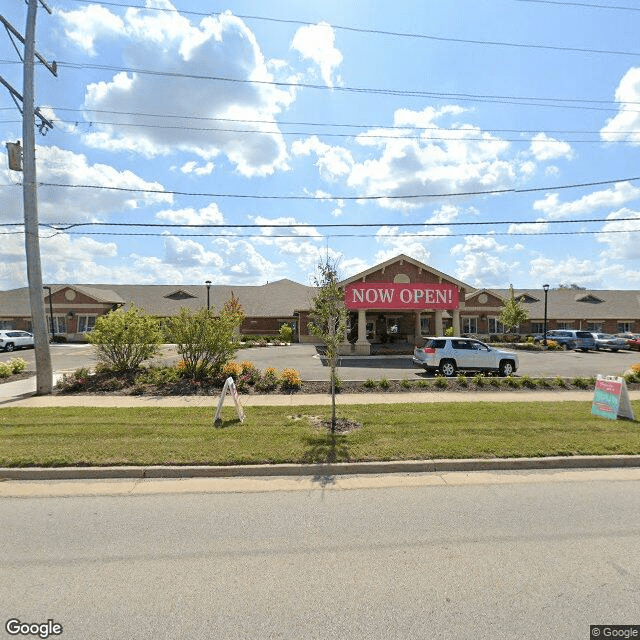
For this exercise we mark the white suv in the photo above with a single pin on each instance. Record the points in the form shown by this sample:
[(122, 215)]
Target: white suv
[(450, 354), (11, 339)]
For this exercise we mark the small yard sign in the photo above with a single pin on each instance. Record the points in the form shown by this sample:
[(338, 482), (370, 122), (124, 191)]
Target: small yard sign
[(611, 398), (229, 385)]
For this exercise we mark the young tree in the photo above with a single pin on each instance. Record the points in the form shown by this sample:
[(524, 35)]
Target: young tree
[(513, 314), (206, 342), (328, 321), (124, 339)]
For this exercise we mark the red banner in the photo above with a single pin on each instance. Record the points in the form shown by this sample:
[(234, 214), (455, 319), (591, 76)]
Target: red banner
[(399, 297)]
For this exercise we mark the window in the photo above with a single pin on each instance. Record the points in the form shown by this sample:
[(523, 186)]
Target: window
[(564, 325), (495, 326), (425, 326), (625, 327), (470, 324), (59, 324), (595, 327), (86, 323), (537, 327)]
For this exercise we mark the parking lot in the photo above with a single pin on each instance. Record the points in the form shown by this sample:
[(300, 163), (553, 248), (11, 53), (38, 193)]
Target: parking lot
[(305, 359)]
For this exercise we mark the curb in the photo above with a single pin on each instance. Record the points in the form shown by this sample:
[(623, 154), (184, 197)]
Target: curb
[(329, 469)]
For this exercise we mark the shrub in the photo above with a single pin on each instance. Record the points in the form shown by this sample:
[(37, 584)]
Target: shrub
[(206, 342), (494, 382), (423, 384), (158, 376), (630, 377), (462, 380), (17, 365), (440, 382), (406, 384), (581, 383), (370, 383), (232, 369), (479, 380), (528, 381), (552, 345), (268, 381), (559, 381), (5, 370), (510, 381), (124, 339), (286, 333), (384, 383), (290, 379), (635, 368)]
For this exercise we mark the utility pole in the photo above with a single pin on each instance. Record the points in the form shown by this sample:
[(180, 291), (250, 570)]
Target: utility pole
[(44, 371)]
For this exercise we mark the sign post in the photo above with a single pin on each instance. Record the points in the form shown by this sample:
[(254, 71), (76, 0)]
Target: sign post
[(611, 398), (229, 385)]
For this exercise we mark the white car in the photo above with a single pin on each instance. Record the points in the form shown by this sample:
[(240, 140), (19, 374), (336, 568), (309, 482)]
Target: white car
[(11, 339), (448, 355)]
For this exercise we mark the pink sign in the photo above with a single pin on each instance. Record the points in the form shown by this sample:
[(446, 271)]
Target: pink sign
[(389, 295)]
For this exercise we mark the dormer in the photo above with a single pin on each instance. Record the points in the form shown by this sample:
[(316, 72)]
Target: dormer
[(588, 297), (180, 294)]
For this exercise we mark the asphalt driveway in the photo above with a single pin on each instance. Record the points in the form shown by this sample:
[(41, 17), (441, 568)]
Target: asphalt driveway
[(305, 359)]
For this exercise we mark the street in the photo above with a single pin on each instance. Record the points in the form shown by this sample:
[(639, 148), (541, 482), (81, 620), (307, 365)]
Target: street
[(480, 555), (304, 359)]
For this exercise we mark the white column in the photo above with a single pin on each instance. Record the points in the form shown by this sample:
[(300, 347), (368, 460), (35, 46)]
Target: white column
[(437, 330), (362, 326), (456, 322)]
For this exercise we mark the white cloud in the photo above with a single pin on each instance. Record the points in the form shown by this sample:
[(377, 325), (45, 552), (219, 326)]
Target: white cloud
[(69, 202), (619, 194), (189, 253), (210, 214), (317, 43), (220, 46), (529, 228), (484, 262), (84, 26), (622, 239), (625, 126), (419, 164), (545, 148)]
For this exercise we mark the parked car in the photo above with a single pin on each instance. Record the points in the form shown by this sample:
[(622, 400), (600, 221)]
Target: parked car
[(607, 341), (570, 339), (448, 355), (11, 339), (634, 343)]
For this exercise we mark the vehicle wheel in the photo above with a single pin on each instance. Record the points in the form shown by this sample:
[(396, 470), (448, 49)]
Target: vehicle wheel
[(9, 346), (506, 368), (614, 350), (448, 368), (565, 347)]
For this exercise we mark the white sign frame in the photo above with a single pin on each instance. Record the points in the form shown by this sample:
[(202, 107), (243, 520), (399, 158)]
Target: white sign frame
[(229, 385), (614, 401)]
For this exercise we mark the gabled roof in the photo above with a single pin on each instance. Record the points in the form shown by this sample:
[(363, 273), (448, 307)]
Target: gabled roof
[(413, 261)]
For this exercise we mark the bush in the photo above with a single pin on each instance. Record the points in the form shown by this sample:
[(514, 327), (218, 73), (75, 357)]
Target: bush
[(512, 382), (124, 339), (559, 381), (286, 333), (158, 376), (528, 381), (635, 368), (384, 383), (5, 370), (440, 382), (18, 365), (581, 383), (405, 384), (462, 380), (232, 369), (290, 379), (370, 383), (268, 381), (479, 380), (207, 342)]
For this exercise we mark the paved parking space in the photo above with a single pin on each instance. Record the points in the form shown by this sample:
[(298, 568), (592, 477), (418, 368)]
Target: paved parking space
[(305, 359)]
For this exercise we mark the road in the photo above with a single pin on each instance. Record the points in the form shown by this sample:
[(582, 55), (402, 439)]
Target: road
[(524, 555), (306, 361)]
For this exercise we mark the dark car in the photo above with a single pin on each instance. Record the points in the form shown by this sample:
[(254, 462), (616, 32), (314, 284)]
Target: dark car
[(570, 339)]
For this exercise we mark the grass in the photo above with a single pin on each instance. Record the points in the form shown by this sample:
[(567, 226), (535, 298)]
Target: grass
[(78, 436)]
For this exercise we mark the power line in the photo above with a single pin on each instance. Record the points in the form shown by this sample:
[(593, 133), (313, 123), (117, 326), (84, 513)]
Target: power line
[(342, 197), (395, 34), (582, 4), (558, 103)]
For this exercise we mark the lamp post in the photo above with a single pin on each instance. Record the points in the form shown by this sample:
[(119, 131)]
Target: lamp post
[(208, 283), (544, 335), (50, 311)]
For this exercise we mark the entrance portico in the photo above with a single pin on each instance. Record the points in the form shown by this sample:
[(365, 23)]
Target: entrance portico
[(398, 302)]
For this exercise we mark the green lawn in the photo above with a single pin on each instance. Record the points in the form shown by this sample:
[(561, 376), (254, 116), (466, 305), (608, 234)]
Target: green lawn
[(146, 436)]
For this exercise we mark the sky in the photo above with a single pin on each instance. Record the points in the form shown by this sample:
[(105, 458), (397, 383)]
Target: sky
[(243, 142)]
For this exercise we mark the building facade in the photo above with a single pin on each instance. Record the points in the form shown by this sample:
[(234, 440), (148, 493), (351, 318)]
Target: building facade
[(396, 302)]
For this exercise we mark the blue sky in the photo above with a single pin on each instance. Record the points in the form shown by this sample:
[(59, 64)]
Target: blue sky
[(302, 114)]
